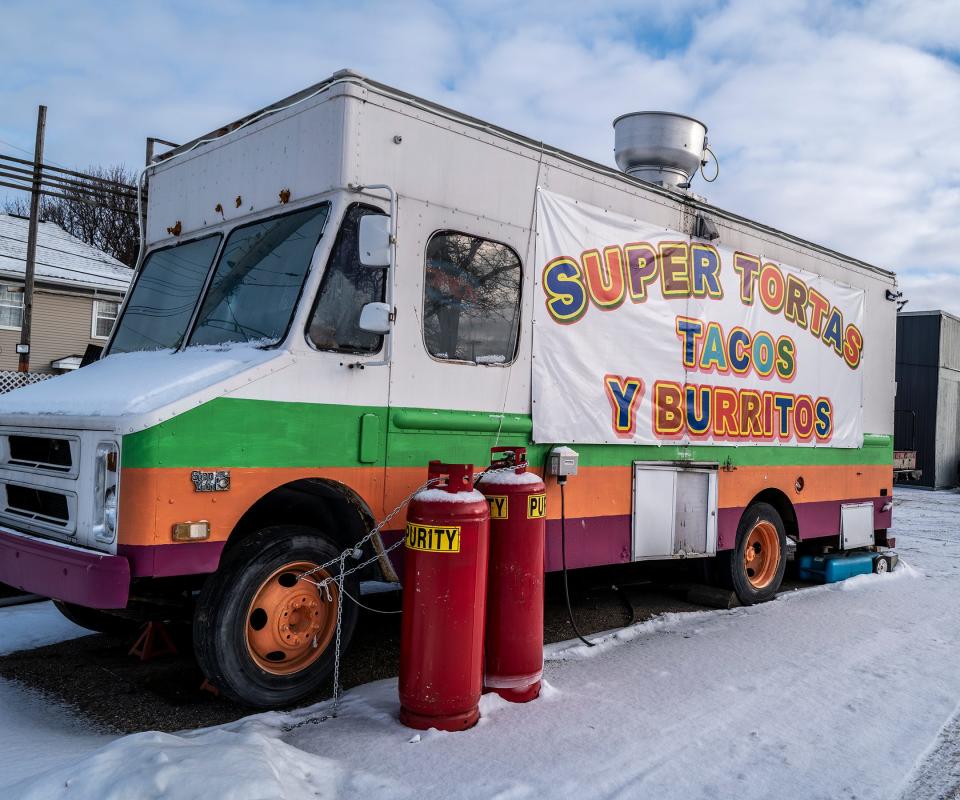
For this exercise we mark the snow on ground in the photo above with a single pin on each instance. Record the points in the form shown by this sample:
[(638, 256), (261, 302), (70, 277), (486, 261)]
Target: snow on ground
[(842, 691), (36, 735), (34, 625)]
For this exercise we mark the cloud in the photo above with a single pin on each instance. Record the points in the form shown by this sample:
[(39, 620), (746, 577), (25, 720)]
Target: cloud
[(834, 121)]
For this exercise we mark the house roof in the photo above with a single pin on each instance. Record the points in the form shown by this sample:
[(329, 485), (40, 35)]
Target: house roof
[(61, 258)]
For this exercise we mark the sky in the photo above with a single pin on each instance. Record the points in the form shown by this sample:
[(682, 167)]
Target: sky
[(835, 121)]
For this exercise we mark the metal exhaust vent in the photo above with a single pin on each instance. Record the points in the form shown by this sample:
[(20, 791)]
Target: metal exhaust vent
[(660, 147)]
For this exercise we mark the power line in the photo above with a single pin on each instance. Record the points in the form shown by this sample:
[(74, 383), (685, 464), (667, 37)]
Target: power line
[(130, 212), (91, 190), (28, 152), (63, 184), (55, 181), (96, 178), (86, 183)]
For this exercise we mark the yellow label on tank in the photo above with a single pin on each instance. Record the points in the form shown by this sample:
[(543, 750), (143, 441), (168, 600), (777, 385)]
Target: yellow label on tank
[(498, 506), (536, 506), (432, 539)]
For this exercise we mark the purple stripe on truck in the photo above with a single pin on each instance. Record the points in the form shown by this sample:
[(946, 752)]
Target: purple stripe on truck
[(84, 577), (168, 560), (591, 542), (814, 520)]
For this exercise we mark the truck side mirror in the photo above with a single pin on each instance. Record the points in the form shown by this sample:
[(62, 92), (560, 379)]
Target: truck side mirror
[(374, 240), (375, 318)]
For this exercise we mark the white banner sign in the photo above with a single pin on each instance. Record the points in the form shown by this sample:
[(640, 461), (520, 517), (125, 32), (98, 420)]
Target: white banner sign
[(645, 335)]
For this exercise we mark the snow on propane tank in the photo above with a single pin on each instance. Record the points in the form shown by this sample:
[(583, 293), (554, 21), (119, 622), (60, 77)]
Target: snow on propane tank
[(659, 146), (444, 601), (513, 658)]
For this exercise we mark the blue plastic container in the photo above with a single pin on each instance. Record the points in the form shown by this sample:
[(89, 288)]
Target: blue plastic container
[(835, 567)]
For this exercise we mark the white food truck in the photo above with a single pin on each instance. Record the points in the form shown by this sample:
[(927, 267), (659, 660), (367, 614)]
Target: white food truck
[(354, 281)]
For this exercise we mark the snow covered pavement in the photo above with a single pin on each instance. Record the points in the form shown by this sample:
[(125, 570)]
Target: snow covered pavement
[(34, 734), (843, 691)]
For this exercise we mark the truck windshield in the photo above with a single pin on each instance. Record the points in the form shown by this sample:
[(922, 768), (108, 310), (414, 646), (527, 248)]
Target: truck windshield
[(258, 279), (164, 296)]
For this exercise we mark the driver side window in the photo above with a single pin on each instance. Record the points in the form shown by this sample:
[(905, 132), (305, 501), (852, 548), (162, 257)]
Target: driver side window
[(346, 288)]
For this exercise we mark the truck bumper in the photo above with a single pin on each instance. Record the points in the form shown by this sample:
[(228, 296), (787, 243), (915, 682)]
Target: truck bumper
[(64, 572)]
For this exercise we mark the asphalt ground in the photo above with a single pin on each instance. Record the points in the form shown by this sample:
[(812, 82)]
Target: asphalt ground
[(97, 678)]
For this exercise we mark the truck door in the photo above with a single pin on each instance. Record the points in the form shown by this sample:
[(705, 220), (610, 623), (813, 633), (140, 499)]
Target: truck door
[(351, 423), (460, 378)]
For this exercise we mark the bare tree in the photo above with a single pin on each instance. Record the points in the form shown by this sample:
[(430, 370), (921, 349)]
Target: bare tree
[(98, 215)]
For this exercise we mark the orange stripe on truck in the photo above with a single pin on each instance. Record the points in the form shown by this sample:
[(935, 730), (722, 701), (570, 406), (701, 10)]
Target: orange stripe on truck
[(739, 486), (154, 499)]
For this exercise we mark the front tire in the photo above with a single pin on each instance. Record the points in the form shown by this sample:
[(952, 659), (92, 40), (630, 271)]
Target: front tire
[(756, 565), (264, 637)]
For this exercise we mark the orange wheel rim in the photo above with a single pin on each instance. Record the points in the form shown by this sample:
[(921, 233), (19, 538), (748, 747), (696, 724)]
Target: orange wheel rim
[(761, 555), (290, 622)]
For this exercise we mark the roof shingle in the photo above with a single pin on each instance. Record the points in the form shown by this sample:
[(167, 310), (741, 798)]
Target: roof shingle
[(61, 258)]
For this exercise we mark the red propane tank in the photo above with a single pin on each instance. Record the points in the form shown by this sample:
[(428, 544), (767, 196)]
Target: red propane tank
[(513, 664), (444, 590)]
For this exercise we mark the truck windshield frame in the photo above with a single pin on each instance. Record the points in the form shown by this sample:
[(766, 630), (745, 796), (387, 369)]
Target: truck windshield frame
[(138, 309), (295, 245), (345, 288)]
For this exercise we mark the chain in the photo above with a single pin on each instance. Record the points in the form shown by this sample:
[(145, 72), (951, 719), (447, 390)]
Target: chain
[(353, 551), (336, 653), (356, 552)]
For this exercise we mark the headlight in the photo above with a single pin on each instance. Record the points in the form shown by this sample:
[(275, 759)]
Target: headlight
[(110, 511), (107, 474)]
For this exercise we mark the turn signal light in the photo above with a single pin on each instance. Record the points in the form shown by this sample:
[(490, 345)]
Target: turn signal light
[(191, 531)]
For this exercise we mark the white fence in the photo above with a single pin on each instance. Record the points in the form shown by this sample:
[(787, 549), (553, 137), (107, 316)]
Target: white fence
[(11, 379)]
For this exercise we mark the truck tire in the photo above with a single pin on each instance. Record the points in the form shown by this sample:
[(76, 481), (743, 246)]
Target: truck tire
[(98, 621), (264, 638), (755, 567)]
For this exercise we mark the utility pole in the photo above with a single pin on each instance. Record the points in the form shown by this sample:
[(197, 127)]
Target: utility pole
[(23, 349)]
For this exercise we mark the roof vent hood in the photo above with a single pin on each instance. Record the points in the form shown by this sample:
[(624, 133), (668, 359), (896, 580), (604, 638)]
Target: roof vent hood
[(660, 147)]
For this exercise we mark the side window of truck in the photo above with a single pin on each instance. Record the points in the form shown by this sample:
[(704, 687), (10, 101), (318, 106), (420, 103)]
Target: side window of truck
[(471, 299), (345, 289)]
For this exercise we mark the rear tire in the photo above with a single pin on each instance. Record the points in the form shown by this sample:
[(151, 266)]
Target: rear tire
[(98, 621), (262, 637), (755, 567)]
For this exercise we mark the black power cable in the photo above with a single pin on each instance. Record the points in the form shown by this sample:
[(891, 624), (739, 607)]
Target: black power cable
[(562, 480)]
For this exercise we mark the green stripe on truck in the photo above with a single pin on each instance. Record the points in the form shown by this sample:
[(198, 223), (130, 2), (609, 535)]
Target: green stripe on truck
[(228, 432)]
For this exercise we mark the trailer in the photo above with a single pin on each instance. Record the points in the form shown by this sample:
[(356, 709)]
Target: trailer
[(354, 281), (927, 405)]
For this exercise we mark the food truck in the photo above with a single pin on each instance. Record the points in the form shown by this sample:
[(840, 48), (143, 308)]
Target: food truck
[(343, 286)]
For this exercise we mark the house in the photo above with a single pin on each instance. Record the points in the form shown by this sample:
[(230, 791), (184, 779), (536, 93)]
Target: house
[(77, 294), (927, 409)]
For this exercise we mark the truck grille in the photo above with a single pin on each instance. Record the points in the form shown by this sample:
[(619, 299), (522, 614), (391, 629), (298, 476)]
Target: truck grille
[(37, 505), (40, 452), (48, 484)]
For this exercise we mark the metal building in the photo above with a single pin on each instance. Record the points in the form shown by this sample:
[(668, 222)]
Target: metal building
[(927, 409)]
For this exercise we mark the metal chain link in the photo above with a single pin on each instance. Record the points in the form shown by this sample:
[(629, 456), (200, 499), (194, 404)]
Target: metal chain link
[(336, 652), (356, 552)]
